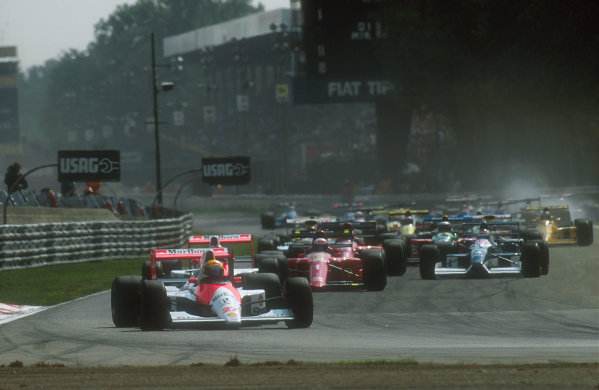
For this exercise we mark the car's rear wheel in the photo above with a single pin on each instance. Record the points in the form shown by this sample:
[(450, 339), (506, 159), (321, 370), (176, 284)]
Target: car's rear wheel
[(395, 253), (584, 231), (267, 220), (269, 282), (299, 298), (266, 244), (125, 301), (146, 270), (429, 256)]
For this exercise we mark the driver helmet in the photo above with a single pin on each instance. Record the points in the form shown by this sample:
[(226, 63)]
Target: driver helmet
[(212, 269), (484, 228), (546, 215), (444, 226), (320, 244), (214, 242)]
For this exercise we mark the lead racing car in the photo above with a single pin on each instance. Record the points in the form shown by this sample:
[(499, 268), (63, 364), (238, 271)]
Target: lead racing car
[(496, 249), (207, 289)]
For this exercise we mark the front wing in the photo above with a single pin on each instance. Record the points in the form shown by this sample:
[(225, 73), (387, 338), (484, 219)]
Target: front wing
[(274, 315)]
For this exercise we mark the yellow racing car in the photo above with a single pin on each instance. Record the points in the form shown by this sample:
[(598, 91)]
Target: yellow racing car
[(554, 225)]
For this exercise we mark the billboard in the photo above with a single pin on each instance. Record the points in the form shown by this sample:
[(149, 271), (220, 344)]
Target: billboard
[(89, 165), (226, 170), (343, 38)]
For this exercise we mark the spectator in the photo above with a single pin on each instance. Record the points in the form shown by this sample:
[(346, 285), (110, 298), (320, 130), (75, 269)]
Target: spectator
[(67, 188), (13, 175), (93, 188)]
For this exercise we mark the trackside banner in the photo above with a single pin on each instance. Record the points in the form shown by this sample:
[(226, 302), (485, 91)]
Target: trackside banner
[(89, 165), (226, 170)]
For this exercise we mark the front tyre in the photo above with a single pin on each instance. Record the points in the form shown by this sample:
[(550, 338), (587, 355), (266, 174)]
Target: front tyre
[(531, 260), (155, 306), (375, 272), (299, 298), (429, 256)]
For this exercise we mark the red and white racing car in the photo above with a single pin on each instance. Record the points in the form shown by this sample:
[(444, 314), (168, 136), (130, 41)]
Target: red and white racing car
[(202, 286)]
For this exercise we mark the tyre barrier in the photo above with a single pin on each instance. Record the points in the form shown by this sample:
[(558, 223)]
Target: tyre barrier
[(23, 246)]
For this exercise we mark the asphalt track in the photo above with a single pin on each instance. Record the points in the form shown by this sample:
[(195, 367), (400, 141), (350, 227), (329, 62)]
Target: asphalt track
[(507, 320)]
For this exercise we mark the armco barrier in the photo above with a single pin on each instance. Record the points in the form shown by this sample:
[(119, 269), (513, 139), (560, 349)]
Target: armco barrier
[(33, 245)]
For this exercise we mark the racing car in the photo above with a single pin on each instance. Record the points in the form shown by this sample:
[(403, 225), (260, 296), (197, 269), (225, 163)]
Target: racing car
[(496, 249), (343, 263), (554, 225), (202, 286), (445, 232)]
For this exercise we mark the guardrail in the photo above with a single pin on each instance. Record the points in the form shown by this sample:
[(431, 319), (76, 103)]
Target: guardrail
[(23, 246)]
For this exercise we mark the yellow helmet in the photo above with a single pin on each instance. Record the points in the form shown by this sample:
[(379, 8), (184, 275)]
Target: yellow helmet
[(212, 269)]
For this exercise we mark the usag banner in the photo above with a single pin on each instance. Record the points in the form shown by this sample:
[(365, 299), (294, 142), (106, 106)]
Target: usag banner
[(89, 165), (226, 170)]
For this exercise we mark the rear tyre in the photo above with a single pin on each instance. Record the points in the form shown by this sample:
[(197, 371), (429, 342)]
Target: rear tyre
[(395, 254), (281, 263), (375, 272), (155, 305), (124, 301), (267, 220), (531, 260), (584, 231), (146, 270), (269, 282), (533, 235), (266, 244), (168, 266), (299, 298), (429, 256)]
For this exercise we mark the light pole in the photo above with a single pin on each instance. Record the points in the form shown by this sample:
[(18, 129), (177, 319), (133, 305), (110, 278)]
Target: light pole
[(165, 86), (281, 48)]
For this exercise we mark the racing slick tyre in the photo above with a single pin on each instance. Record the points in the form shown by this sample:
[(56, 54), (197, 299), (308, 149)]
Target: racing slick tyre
[(531, 259), (544, 259), (267, 243), (389, 235), (584, 231), (281, 269), (124, 301), (155, 305), (168, 266), (533, 234), (267, 220), (395, 254), (270, 283), (298, 295), (146, 270), (375, 272), (429, 256)]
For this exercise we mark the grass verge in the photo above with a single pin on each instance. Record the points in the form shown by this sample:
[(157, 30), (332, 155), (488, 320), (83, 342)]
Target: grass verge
[(53, 284)]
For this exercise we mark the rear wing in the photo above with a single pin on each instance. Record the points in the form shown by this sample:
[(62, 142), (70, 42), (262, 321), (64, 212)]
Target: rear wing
[(494, 227), (314, 220), (224, 239), (366, 228), (406, 211)]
